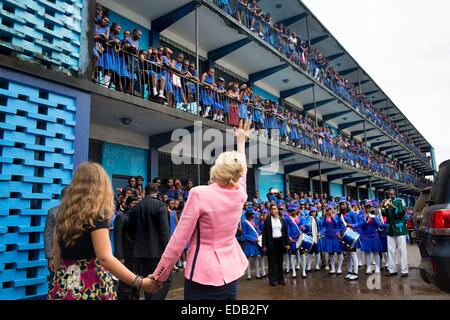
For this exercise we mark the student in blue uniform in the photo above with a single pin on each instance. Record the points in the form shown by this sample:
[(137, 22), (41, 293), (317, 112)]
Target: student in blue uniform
[(252, 249), (361, 255), (206, 91), (293, 235), (305, 226), (314, 228), (282, 125), (349, 219), (370, 242), (246, 94), (382, 235), (331, 243)]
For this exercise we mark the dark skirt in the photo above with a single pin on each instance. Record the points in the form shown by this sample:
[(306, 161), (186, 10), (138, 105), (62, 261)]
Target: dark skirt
[(197, 291), (81, 280)]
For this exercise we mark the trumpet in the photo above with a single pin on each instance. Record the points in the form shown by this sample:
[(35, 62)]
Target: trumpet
[(372, 214), (387, 204)]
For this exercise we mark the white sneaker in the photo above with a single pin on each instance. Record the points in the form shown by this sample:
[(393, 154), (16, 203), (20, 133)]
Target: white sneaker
[(348, 276), (339, 271), (327, 268), (161, 95), (377, 270), (261, 34), (369, 270), (353, 277)]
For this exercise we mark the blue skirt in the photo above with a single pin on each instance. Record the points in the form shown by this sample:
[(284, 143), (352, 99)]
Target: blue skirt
[(331, 245), (270, 122), (383, 240), (217, 106), (206, 97), (257, 117), (242, 111), (370, 244), (293, 135), (251, 249), (283, 131)]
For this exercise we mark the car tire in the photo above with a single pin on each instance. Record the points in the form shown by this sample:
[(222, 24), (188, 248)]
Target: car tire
[(423, 275)]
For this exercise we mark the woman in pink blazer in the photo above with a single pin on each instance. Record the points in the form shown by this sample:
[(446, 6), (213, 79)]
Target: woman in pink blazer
[(215, 261)]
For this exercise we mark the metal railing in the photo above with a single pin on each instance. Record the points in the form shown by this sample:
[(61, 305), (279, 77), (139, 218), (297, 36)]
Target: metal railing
[(146, 76), (307, 59)]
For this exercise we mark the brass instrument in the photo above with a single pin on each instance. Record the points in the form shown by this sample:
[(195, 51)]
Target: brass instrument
[(387, 204), (371, 215)]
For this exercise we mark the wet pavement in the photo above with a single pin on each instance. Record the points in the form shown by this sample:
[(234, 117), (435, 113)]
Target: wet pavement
[(321, 286)]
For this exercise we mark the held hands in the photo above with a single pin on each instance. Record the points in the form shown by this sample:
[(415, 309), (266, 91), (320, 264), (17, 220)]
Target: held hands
[(150, 285)]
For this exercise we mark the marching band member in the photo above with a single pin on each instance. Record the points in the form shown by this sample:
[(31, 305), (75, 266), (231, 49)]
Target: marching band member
[(382, 235), (331, 243), (314, 227), (370, 243), (349, 219), (293, 235), (252, 250), (361, 255), (394, 211)]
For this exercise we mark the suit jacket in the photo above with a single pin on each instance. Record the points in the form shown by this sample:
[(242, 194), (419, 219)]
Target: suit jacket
[(123, 244), (50, 222), (208, 223), (267, 233), (148, 227)]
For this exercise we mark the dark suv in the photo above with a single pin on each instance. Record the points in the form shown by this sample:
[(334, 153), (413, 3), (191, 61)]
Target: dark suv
[(433, 225)]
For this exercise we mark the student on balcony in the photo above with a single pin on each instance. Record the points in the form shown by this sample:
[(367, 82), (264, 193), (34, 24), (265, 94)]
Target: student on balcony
[(131, 45)]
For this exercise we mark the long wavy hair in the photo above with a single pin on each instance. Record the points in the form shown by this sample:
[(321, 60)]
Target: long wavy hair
[(89, 197)]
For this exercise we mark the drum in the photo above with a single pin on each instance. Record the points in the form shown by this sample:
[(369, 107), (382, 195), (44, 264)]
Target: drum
[(349, 238), (305, 242)]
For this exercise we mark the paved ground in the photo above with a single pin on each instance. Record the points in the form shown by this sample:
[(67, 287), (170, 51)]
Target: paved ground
[(321, 286)]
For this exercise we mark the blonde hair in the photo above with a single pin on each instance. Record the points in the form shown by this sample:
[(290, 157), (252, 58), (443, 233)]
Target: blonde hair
[(89, 197), (227, 169)]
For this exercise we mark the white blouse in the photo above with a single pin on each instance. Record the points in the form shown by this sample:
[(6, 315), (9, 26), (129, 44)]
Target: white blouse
[(276, 228)]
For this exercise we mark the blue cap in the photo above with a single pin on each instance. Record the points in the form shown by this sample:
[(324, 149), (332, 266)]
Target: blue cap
[(291, 207), (330, 206), (354, 203), (280, 205), (249, 210), (342, 200), (302, 201), (309, 201), (368, 203), (313, 209)]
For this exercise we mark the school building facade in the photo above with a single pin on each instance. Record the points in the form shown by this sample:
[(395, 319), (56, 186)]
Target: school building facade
[(53, 117)]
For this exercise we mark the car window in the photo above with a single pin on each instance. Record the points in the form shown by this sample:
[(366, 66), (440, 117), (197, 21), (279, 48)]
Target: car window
[(440, 193)]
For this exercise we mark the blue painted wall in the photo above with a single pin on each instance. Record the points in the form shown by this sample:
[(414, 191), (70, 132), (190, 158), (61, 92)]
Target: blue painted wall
[(336, 190), (29, 19), (260, 92), (268, 180), (124, 160), (32, 174), (127, 24)]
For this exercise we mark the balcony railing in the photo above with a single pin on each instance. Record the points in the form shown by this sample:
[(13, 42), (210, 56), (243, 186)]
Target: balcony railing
[(307, 58), (144, 76)]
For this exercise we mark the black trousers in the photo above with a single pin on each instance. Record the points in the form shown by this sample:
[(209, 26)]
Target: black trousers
[(197, 291), (146, 266), (275, 259), (125, 291)]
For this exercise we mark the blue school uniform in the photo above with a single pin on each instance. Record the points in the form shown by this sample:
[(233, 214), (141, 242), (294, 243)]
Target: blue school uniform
[(257, 115), (293, 231), (242, 110), (172, 221), (206, 96), (133, 62), (166, 73), (100, 30), (293, 134), (370, 242), (172, 194), (250, 236), (331, 243), (111, 58), (178, 94), (221, 102), (282, 127)]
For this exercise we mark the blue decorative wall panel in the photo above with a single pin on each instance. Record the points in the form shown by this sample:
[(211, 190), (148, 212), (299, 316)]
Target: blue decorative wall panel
[(47, 31), (37, 133)]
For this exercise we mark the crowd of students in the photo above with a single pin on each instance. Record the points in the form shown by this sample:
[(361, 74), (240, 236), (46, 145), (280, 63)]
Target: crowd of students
[(156, 75), (312, 60), (325, 219)]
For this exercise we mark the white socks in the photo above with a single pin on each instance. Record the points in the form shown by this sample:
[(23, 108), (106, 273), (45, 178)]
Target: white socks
[(286, 261), (354, 257), (155, 92), (309, 261), (333, 270), (340, 261), (368, 263), (377, 262), (349, 263), (303, 265), (262, 266), (317, 261), (294, 273)]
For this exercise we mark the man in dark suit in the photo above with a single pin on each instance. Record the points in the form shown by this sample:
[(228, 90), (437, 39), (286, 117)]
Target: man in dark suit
[(148, 227)]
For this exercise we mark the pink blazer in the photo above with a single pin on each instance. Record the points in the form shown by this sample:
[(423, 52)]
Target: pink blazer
[(209, 222)]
